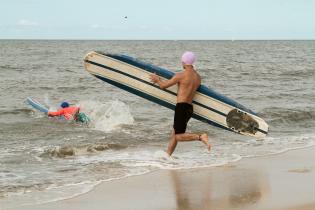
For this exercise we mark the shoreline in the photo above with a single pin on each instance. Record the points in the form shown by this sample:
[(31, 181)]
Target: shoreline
[(278, 181)]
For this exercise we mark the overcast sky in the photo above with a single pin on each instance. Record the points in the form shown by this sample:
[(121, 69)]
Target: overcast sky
[(157, 19)]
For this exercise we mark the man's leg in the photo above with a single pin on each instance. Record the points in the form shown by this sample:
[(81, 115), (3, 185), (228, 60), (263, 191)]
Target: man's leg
[(193, 137), (172, 144)]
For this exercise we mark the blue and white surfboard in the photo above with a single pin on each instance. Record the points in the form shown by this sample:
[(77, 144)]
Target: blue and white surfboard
[(211, 107), (36, 105)]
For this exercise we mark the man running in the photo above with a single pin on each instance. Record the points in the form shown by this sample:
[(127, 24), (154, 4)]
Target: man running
[(188, 82)]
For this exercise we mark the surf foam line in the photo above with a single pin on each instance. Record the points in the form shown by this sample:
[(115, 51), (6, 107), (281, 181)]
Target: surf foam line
[(85, 190), (91, 185), (282, 151)]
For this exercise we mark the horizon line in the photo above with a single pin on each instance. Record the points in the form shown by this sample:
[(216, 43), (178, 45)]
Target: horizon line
[(66, 39)]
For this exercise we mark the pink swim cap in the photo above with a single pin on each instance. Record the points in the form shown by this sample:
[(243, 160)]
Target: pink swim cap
[(188, 58)]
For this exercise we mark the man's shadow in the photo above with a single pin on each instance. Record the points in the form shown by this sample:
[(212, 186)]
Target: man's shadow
[(221, 188)]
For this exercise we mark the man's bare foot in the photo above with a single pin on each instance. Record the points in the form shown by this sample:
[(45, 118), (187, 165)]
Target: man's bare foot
[(204, 138)]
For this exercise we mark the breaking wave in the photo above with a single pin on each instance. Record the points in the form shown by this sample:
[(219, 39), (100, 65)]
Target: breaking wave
[(107, 116)]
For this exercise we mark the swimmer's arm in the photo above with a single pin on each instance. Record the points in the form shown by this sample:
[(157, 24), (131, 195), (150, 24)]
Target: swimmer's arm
[(166, 83), (57, 113)]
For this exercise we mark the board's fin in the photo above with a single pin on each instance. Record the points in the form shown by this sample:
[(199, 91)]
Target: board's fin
[(241, 122)]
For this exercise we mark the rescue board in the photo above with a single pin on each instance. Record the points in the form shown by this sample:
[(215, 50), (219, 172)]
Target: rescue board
[(132, 75), (36, 105)]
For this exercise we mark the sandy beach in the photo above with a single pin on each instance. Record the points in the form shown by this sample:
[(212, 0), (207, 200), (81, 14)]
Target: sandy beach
[(283, 181)]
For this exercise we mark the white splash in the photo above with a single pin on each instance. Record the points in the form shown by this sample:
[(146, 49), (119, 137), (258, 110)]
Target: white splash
[(107, 116)]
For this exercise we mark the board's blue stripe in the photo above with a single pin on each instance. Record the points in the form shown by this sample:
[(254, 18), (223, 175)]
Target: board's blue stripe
[(157, 100), (148, 83)]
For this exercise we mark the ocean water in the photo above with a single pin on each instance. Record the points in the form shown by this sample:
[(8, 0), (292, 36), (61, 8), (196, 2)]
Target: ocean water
[(43, 160)]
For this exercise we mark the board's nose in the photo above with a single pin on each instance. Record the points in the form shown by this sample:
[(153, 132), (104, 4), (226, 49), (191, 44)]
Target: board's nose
[(86, 58), (88, 55)]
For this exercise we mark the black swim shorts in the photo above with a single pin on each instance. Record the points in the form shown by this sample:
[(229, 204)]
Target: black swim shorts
[(183, 112)]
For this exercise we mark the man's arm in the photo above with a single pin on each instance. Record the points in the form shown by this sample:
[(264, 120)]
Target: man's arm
[(166, 83)]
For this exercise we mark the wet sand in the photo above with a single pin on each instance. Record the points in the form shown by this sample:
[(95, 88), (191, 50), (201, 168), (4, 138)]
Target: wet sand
[(284, 181)]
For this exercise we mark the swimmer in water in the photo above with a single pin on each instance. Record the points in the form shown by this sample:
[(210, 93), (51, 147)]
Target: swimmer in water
[(66, 111)]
